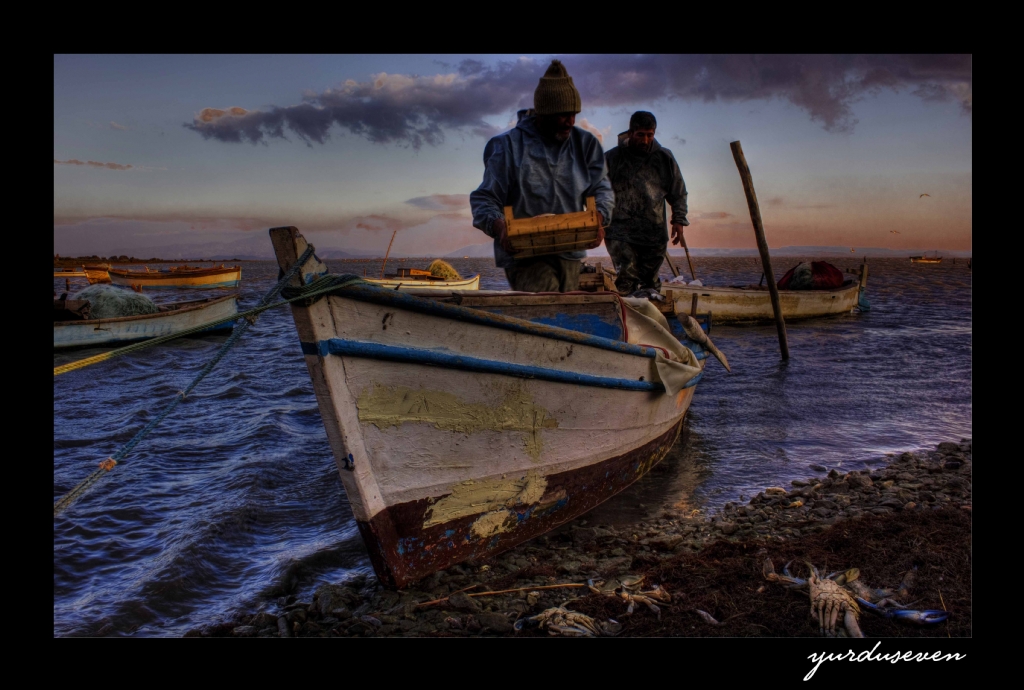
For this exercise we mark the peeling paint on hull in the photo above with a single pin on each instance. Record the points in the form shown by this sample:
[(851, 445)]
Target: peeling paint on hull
[(390, 406), (404, 550)]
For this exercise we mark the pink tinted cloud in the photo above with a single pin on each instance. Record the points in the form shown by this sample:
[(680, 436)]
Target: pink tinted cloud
[(93, 164), (441, 202)]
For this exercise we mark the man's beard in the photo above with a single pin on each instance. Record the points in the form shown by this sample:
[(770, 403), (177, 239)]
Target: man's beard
[(563, 136)]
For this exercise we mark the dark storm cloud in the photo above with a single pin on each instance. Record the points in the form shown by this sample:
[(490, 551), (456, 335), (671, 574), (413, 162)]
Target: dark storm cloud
[(415, 110)]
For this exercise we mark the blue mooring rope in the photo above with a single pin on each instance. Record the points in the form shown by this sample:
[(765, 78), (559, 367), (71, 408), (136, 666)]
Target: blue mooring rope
[(61, 505)]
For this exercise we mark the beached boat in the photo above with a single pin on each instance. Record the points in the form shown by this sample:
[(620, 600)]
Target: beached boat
[(422, 280), (69, 273), (463, 424), (178, 277), (172, 318)]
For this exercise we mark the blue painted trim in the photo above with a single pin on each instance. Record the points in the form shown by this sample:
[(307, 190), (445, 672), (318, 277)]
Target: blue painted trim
[(377, 295), (355, 348)]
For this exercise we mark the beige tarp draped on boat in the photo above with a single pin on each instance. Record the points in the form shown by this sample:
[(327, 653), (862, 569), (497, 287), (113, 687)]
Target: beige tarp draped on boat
[(645, 325)]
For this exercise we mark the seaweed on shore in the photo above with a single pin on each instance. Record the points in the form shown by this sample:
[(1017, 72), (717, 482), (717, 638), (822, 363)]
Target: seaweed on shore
[(724, 579)]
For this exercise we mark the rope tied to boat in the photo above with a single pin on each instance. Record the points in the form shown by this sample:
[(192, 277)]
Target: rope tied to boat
[(61, 505)]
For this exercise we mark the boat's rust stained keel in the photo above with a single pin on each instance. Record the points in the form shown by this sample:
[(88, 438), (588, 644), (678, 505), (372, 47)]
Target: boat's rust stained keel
[(403, 550)]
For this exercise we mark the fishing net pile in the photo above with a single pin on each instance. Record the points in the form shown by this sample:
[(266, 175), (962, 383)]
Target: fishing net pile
[(110, 302), (814, 275), (443, 269)]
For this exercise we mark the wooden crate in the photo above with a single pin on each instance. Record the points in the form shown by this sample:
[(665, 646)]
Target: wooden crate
[(554, 233)]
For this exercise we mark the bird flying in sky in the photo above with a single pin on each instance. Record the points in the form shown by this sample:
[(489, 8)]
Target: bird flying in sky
[(928, 195), (896, 232)]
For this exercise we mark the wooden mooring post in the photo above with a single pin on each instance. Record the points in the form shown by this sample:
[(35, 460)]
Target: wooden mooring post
[(762, 244)]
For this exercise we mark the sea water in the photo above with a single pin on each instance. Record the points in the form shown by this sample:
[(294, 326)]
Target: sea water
[(235, 500)]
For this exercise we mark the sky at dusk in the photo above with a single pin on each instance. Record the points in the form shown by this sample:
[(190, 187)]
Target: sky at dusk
[(198, 155)]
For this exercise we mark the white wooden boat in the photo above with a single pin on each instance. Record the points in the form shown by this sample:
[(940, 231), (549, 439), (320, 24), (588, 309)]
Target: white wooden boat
[(753, 302), (178, 277), (463, 424), (420, 282), (172, 318)]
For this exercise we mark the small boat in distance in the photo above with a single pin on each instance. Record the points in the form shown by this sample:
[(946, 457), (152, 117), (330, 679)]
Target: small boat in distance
[(415, 279), (171, 318), (926, 259), (178, 277)]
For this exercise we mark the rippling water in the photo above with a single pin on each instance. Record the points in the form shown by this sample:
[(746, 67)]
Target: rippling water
[(234, 499)]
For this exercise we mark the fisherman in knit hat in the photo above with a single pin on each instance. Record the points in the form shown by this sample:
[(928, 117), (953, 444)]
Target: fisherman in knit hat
[(544, 165)]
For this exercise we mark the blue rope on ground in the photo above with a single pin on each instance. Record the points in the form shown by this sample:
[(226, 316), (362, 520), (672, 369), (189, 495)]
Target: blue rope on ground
[(61, 505)]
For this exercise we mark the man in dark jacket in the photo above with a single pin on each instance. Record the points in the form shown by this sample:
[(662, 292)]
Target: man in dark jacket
[(544, 165), (644, 176)]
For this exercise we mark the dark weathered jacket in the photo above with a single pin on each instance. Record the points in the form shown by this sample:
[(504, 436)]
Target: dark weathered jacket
[(534, 177), (643, 182)]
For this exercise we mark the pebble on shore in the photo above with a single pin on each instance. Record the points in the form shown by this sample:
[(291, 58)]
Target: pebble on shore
[(940, 479)]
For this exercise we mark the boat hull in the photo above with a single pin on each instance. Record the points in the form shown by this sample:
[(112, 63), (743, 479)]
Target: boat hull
[(119, 331), (461, 432), (413, 284), (227, 278), (403, 551), (739, 304)]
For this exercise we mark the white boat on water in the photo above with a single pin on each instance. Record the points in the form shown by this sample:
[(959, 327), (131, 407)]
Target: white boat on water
[(420, 282), (753, 302), (172, 318), (463, 424)]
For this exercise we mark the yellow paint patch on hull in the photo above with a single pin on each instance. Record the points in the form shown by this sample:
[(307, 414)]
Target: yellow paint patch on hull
[(496, 495), (490, 524), (387, 406)]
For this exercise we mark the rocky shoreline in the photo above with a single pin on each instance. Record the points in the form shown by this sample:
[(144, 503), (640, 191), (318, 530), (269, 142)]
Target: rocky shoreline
[(915, 511)]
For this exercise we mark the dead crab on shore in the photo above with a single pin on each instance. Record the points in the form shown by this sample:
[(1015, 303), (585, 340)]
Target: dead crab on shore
[(628, 589), (561, 621), (842, 592)]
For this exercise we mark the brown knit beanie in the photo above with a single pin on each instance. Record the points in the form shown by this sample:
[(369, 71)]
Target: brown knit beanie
[(556, 93)]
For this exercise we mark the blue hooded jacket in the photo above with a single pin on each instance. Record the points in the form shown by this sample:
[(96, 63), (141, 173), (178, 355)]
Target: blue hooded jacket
[(534, 177)]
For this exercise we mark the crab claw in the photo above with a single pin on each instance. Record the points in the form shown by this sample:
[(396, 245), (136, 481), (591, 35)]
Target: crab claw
[(814, 571), (929, 617), (788, 579)]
